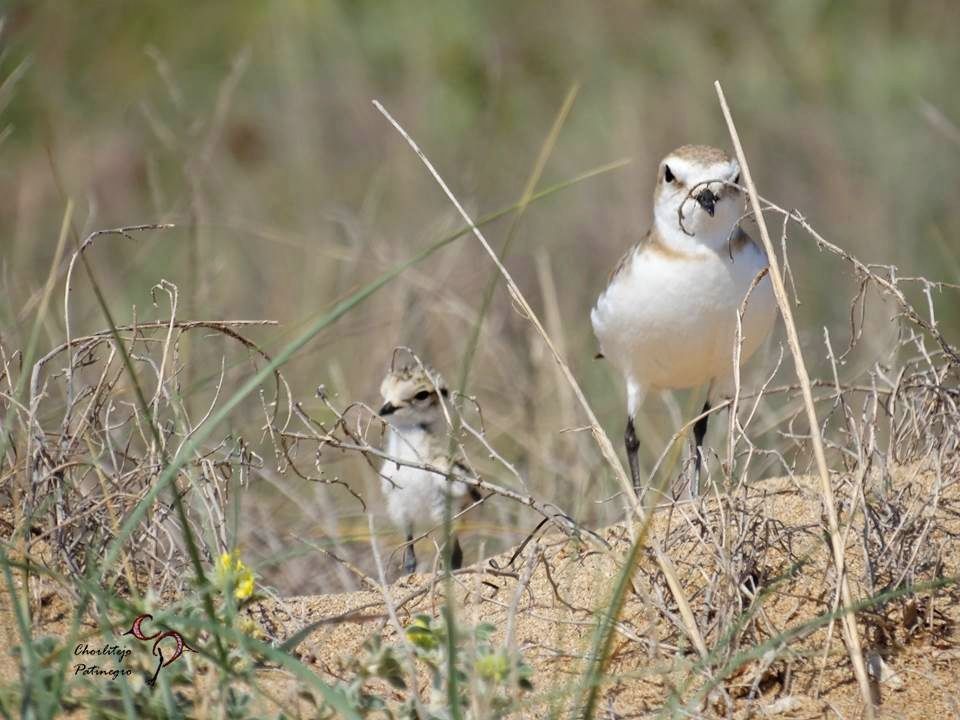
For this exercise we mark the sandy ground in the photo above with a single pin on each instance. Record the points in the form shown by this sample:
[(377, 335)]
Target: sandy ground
[(770, 538), (555, 618)]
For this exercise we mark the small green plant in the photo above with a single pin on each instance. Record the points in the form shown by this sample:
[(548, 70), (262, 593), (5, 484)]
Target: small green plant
[(488, 676)]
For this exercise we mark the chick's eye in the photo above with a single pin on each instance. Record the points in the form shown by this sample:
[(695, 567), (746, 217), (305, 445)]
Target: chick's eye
[(422, 395), (668, 174)]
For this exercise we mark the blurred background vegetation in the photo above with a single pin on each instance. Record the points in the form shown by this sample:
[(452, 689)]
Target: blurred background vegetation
[(249, 125)]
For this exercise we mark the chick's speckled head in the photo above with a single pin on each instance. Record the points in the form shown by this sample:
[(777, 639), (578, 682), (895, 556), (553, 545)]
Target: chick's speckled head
[(411, 396), (694, 178)]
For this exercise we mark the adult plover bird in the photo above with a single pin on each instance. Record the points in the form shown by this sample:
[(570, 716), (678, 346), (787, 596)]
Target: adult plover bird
[(417, 498), (668, 316)]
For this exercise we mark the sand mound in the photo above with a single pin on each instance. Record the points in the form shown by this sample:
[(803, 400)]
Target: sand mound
[(754, 568)]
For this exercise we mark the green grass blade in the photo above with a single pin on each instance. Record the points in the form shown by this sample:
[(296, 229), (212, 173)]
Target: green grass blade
[(599, 654), (528, 193), (31, 349), (28, 656)]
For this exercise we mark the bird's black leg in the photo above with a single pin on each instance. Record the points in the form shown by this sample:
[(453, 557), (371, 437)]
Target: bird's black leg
[(456, 554), (699, 430), (632, 445), (409, 558)]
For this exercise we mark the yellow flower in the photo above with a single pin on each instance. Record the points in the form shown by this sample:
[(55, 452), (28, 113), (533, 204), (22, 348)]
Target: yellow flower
[(231, 569)]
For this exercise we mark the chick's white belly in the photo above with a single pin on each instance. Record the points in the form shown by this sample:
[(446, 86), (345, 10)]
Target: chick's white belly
[(416, 498), (671, 323)]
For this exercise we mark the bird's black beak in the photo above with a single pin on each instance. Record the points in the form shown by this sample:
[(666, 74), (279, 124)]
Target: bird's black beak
[(707, 201), (388, 409)]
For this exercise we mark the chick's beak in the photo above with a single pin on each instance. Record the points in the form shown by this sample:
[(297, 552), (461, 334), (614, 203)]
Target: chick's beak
[(388, 409), (707, 200)]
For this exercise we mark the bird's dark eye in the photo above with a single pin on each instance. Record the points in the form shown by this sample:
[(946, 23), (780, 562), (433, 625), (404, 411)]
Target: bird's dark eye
[(668, 174), (422, 395), (736, 180)]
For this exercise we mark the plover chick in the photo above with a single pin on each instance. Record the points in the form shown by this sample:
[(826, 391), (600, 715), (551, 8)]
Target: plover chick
[(417, 498), (668, 316)]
